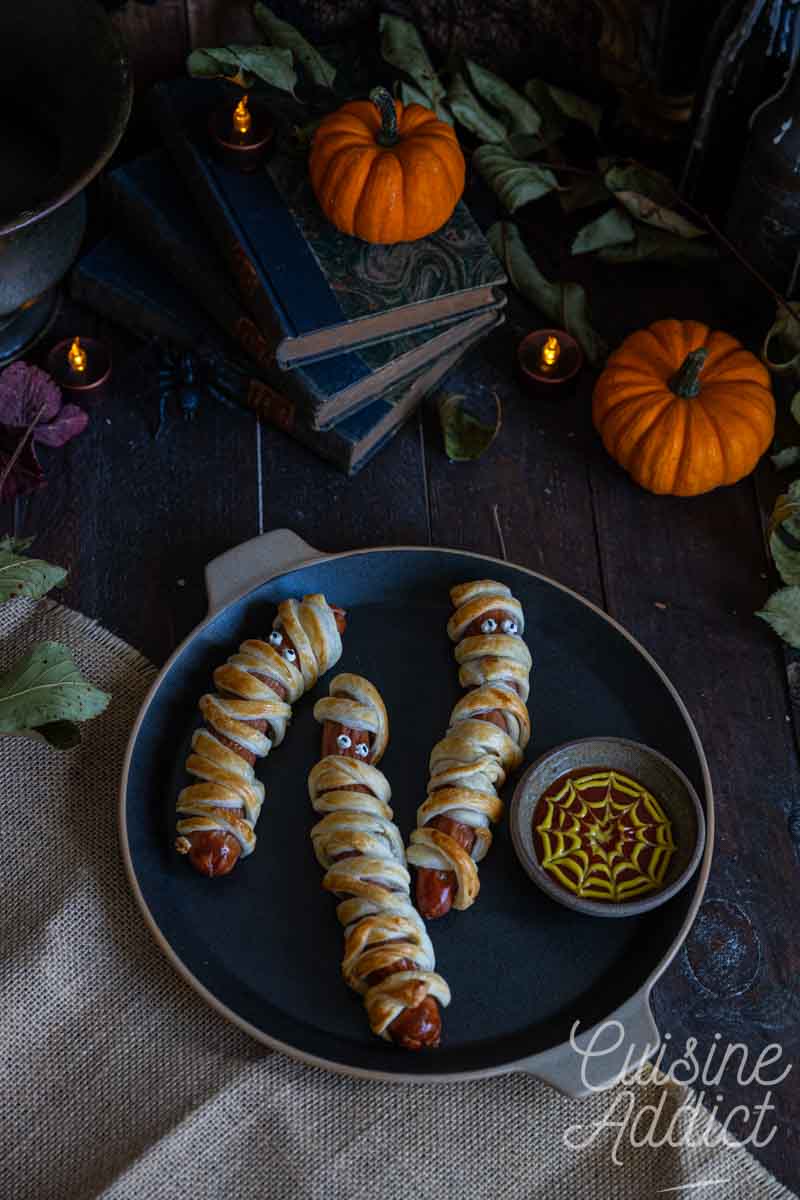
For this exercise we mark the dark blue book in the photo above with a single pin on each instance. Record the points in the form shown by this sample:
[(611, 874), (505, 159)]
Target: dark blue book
[(316, 291), (153, 206), (123, 283)]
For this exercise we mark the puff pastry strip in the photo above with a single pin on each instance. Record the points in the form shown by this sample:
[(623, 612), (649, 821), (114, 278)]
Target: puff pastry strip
[(388, 956), (489, 730), (245, 717)]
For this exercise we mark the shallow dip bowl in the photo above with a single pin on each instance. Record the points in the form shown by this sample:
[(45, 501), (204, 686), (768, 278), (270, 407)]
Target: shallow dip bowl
[(667, 783)]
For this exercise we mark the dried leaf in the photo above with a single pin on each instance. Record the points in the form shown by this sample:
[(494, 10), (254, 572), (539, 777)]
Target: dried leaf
[(611, 229), (782, 612), (786, 457), (23, 391), (281, 33), (21, 576), (468, 110), (409, 93), (26, 475), (654, 245), (553, 123), (577, 108), (647, 195), (514, 181), (559, 302), (46, 686), (783, 534), (402, 46), (465, 437), (68, 424), (523, 117), (794, 407), (244, 64), (787, 330)]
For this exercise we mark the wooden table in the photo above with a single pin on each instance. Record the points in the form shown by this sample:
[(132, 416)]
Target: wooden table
[(136, 518)]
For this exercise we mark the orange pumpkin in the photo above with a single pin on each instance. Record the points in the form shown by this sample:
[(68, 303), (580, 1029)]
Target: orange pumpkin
[(386, 173), (684, 409)]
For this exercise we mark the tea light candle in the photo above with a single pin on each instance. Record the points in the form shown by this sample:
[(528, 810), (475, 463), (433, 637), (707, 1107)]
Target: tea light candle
[(241, 134), (549, 360), (80, 365)]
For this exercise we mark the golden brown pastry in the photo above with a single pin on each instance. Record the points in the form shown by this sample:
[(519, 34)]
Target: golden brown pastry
[(243, 720), (489, 730), (388, 957)]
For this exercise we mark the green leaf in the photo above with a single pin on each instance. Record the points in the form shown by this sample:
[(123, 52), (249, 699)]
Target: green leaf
[(465, 437), (523, 117), (513, 181), (20, 576), (782, 612), (786, 457), (409, 93), (564, 304), (270, 64), (245, 64), (16, 545), (612, 229), (787, 330), (468, 109), (402, 46), (577, 108), (43, 687), (794, 407), (647, 195), (783, 534), (654, 245), (582, 191), (553, 122), (523, 145), (282, 34)]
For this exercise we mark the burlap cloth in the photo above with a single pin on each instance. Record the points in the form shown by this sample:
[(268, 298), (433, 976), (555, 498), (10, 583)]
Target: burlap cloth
[(119, 1082)]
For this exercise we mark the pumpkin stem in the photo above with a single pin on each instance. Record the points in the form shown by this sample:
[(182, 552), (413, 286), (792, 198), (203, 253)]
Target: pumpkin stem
[(385, 105), (686, 380)]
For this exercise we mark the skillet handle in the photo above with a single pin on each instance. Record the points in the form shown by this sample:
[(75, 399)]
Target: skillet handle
[(246, 566), (616, 1047)]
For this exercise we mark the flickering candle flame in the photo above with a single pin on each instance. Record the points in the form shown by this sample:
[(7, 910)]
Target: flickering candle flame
[(241, 117), (76, 356), (550, 354)]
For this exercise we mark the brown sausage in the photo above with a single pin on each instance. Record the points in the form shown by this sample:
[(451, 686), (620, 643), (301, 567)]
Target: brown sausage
[(435, 890), (214, 852), (415, 1028)]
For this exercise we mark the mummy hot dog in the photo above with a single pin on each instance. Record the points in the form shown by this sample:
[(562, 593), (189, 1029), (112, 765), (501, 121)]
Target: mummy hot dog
[(243, 720), (489, 729), (388, 957)]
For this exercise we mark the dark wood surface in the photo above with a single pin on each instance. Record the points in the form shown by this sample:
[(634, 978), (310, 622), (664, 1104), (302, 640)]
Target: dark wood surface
[(136, 518)]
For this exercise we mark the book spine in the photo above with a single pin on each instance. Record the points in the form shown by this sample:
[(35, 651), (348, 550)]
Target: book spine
[(221, 224), (276, 408), (211, 290)]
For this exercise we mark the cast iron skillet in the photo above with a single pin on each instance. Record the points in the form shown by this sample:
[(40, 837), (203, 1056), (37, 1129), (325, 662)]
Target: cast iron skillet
[(263, 945)]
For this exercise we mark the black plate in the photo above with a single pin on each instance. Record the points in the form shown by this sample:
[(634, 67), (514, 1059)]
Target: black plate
[(265, 941)]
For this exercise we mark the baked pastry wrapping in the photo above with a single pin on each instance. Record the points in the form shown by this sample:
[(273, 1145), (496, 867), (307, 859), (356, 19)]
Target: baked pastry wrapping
[(388, 956), (489, 730), (243, 719)]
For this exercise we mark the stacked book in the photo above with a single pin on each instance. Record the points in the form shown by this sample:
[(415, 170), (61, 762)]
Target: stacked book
[(333, 340)]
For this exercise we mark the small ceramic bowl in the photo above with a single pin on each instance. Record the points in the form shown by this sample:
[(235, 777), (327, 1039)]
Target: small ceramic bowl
[(660, 776)]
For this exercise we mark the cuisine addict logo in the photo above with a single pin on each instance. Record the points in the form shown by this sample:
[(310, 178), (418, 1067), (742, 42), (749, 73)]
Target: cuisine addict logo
[(677, 1119)]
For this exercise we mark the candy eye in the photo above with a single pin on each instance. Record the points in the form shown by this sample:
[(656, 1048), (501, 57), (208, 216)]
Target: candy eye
[(289, 654), (343, 741), (489, 625), (276, 637), (362, 750), (509, 626)]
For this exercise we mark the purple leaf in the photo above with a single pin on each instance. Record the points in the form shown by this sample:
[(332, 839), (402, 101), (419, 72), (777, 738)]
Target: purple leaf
[(23, 391), (26, 475), (68, 424)]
